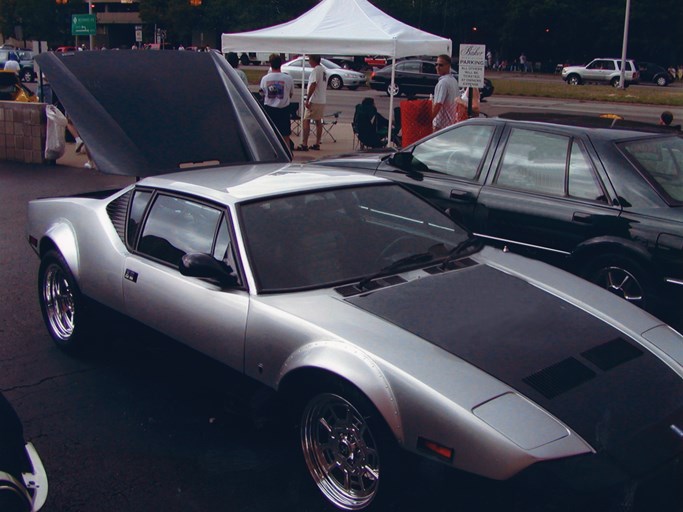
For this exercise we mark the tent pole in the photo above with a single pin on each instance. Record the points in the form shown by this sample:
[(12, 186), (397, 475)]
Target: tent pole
[(391, 96), (302, 107)]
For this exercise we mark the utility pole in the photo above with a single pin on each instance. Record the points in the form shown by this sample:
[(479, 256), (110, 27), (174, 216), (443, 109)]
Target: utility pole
[(624, 46)]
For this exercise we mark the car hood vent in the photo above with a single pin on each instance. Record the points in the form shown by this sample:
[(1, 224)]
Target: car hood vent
[(376, 284), (560, 377), (612, 354), (117, 211), (454, 265)]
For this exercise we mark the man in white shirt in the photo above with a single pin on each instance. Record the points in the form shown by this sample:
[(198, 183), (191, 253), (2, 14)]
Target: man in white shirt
[(276, 88), (12, 64), (315, 103), (445, 94)]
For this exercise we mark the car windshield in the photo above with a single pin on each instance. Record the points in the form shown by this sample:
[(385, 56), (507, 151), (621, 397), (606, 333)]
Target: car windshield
[(327, 237), (662, 160)]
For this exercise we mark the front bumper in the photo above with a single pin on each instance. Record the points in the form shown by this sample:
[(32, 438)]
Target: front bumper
[(353, 81), (36, 481)]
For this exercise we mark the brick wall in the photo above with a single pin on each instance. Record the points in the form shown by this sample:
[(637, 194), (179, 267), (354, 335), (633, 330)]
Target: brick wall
[(22, 131)]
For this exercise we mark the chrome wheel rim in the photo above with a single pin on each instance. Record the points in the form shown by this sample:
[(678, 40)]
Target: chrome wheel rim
[(59, 302), (340, 452), (621, 282), (392, 90)]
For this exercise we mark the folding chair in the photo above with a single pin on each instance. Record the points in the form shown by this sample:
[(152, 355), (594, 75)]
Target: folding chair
[(295, 118), (329, 123)]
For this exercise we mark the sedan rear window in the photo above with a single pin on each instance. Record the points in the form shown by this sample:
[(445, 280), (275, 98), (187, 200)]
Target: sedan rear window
[(662, 160)]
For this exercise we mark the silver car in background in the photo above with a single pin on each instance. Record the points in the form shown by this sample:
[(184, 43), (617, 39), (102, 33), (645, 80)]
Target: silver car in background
[(337, 76)]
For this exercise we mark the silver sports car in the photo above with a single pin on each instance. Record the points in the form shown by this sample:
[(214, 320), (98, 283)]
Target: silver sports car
[(383, 322)]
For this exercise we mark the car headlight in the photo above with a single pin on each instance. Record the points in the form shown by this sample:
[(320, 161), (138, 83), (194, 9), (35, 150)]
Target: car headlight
[(521, 421)]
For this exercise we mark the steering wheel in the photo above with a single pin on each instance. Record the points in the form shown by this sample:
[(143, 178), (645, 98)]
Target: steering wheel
[(402, 246)]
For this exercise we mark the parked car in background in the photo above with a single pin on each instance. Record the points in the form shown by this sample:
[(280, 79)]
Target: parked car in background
[(27, 73), (66, 49), (23, 480), (11, 88), (654, 73), (385, 326), (376, 61), (415, 77), (337, 76), (603, 70), (603, 202)]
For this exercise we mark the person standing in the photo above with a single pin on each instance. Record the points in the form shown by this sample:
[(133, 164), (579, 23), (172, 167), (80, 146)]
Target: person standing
[(315, 104), (234, 61), (12, 63), (445, 94), (276, 88), (522, 63)]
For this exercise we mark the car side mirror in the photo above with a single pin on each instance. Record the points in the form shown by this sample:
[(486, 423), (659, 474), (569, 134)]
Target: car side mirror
[(407, 163), (206, 266)]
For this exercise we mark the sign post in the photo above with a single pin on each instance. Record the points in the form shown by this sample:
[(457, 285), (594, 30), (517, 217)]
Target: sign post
[(472, 61)]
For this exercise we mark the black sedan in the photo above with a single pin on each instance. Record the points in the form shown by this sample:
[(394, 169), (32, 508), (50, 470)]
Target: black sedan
[(414, 77), (605, 203), (654, 73)]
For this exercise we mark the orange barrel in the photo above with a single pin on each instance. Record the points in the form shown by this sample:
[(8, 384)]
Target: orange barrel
[(416, 120)]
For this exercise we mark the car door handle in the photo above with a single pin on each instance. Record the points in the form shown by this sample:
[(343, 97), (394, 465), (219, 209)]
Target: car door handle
[(462, 195), (584, 218)]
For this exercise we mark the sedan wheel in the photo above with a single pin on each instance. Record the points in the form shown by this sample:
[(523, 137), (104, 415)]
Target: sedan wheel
[(662, 81), (623, 277), (341, 446), (335, 82), (394, 90)]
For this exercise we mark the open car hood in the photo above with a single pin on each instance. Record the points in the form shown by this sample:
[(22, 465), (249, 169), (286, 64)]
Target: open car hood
[(146, 113)]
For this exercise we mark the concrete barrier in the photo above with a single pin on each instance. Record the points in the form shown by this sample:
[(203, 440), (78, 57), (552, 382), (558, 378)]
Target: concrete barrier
[(22, 132)]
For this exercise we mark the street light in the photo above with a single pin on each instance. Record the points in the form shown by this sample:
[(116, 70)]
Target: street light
[(624, 46), (195, 3)]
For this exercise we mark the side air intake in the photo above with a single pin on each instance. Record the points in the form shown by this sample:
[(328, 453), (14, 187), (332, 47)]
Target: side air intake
[(117, 211)]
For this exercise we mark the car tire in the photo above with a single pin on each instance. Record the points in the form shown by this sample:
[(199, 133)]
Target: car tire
[(624, 277), (244, 59), (26, 75), (661, 81), (616, 81), (67, 315), (574, 80), (346, 446), (393, 91), (335, 82)]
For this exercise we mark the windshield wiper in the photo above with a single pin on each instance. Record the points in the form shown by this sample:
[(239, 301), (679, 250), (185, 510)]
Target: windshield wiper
[(408, 261), (457, 251)]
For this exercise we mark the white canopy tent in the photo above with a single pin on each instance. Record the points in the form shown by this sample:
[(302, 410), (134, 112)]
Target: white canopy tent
[(342, 27)]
